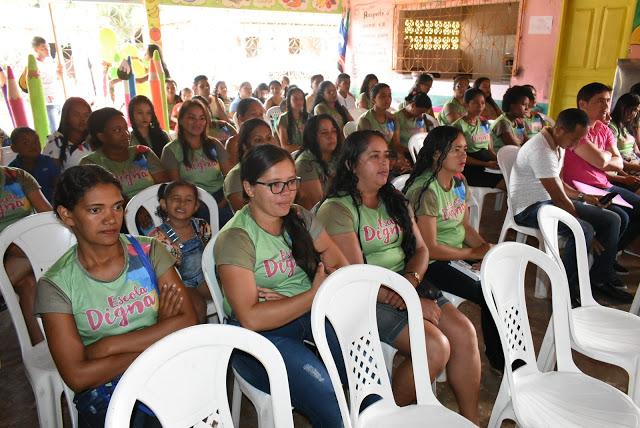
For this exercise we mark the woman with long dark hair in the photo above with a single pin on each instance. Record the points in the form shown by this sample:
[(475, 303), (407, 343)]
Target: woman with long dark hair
[(272, 257), (454, 109), (317, 161), (326, 102), (491, 110), (108, 298), (253, 132), (71, 142), (379, 119), (291, 122), (509, 128), (623, 117), (197, 158), (438, 194), (371, 222), (364, 101), (145, 128)]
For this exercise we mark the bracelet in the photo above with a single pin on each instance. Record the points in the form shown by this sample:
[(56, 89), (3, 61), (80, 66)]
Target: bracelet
[(416, 276)]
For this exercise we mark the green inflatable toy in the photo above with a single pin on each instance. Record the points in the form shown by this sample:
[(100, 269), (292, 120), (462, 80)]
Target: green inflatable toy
[(37, 100), (163, 88)]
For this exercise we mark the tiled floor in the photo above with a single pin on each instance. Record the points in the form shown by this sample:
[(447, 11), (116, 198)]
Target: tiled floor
[(17, 405)]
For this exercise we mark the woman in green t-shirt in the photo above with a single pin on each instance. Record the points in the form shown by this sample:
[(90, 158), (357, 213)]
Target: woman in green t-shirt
[(316, 162), (271, 258), (136, 167), (438, 194), (371, 222), (480, 154), (247, 108), (198, 159), (20, 195), (291, 122), (491, 110), (509, 128), (623, 117), (410, 119), (364, 99), (253, 132), (326, 102), (109, 297), (454, 109), (534, 121)]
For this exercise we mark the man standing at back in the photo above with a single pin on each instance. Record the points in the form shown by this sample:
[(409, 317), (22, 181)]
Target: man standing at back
[(50, 74), (535, 181)]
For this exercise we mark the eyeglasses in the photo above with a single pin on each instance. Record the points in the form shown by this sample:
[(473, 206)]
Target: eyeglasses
[(278, 187)]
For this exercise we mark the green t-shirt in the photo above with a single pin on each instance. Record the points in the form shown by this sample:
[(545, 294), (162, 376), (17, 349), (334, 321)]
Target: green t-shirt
[(624, 138), (504, 125), (15, 184), (478, 136), (408, 126), (298, 129), (368, 121), (243, 243), (323, 108), (134, 174), (449, 207), (379, 235), (534, 124), (367, 99), (451, 106), (232, 181), (308, 169), (203, 172), (102, 309)]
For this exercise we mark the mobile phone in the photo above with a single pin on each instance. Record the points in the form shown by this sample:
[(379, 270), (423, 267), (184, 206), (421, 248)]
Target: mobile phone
[(605, 199)]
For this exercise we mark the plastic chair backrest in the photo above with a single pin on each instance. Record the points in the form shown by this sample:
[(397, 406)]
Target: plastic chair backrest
[(356, 113), (182, 378), (148, 199), (8, 155), (415, 144), (503, 275), (209, 271), (44, 240), (349, 128), (400, 181), (347, 299), (433, 120), (273, 114), (506, 158), (548, 218)]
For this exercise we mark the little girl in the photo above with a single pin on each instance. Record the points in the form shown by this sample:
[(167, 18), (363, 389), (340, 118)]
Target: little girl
[(185, 237)]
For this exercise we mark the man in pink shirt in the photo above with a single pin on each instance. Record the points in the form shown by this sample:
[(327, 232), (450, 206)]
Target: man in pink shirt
[(596, 159)]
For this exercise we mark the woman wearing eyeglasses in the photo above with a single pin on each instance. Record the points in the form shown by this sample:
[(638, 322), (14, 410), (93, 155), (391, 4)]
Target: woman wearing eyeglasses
[(272, 257)]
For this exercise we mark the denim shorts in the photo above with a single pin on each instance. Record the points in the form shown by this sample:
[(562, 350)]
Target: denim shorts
[(391, 321)]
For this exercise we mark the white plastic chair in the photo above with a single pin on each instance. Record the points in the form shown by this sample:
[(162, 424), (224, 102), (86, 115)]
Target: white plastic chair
[(562, 398), (356, 113), (7, 156), (400, 181), (506, 158), (349, 128), (432, 120), (601, 333), (44, 240), (347, 298), (182, 378), (272, 115), (148, 199), (415, 144), (635, 305)]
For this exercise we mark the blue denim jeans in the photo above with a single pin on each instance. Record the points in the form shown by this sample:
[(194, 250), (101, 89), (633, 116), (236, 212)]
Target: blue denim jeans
[(311, 390), (606, 224), (630, 217), (191, 265)]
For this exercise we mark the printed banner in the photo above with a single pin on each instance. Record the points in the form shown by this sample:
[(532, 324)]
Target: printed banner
[(325, 6)]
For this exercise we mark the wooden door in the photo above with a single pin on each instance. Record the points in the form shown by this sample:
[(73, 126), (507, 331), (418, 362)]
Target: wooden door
[(594, 34)]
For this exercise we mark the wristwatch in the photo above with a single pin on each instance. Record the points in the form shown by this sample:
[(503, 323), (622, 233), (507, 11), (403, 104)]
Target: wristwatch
[(416, 276)]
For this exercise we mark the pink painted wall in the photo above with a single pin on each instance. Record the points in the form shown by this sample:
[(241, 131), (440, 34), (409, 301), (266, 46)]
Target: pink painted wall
[(537, 52)]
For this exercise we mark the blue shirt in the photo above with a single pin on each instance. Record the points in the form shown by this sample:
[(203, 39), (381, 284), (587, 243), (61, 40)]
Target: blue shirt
[(46, 173)]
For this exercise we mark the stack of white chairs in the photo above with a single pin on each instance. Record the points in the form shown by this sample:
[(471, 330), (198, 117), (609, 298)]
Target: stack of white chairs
[(349, 128), (562, 398), (182, 378), (415, 144), (272, 116)]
